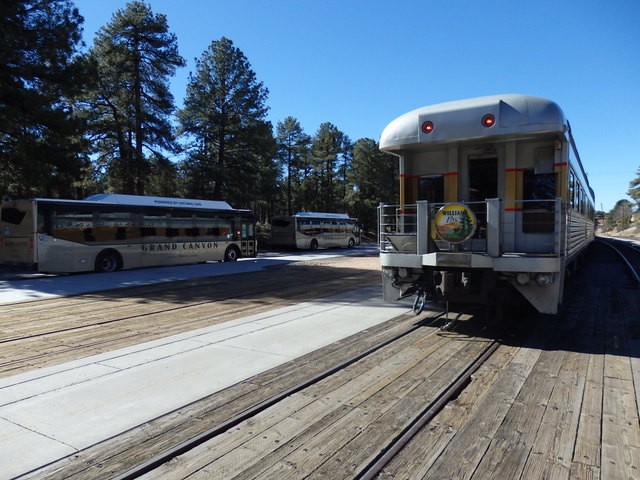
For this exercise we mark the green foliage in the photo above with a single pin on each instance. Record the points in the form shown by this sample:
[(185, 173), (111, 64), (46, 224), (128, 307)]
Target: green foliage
[(465, 224), (293, 147), (72, 125), (232, 146), (634, 189), (130, 107), (325, 187), (619, 218), (373, 178), (41, 150)]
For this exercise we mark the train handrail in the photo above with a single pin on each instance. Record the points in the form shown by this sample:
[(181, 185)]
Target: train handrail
[(399, 227)]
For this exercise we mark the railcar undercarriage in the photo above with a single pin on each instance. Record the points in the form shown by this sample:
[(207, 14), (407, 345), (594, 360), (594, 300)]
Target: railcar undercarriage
[(482, 287)]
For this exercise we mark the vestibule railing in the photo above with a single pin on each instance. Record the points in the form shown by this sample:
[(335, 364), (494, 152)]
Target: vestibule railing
[(410, 228)]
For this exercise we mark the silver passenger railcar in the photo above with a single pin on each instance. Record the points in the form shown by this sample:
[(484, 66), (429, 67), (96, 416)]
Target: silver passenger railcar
[(493, 199)]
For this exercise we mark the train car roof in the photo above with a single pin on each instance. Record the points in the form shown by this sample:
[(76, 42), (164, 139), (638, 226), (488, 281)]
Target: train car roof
[(461, 120)]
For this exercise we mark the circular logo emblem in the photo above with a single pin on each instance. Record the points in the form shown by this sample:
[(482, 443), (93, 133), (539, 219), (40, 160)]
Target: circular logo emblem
[(455, 223)]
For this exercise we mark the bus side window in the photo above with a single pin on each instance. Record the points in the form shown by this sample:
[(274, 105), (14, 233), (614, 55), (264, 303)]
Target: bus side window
[(88, 235), (12, 215), (44, 222)]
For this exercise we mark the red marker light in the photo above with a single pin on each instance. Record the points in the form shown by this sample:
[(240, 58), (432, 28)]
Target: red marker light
[(488, 120), (427, 127)]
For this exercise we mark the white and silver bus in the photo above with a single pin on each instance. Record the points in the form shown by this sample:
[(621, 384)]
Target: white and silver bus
[(108, 232), (313, 230)]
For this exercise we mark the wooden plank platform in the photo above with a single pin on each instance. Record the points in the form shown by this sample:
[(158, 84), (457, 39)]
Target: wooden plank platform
[(557, 400), (564, 405)]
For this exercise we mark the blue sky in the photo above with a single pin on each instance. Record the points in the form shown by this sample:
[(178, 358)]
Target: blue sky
[(360, 63)]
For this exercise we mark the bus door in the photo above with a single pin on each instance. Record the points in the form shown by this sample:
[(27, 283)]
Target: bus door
[(247, 239), (483, 184), (17, 232)]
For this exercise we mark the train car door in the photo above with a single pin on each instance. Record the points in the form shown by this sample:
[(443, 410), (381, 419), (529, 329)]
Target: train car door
[(537, 226), (431, 188), (482, 181)]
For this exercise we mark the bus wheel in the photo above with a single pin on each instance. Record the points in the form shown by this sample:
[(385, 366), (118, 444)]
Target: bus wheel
[(107, 262), (351, 243), (314, 244), (231, 255)]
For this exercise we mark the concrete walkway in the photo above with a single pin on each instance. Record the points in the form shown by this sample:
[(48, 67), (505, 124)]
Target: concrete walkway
[(54, 412)]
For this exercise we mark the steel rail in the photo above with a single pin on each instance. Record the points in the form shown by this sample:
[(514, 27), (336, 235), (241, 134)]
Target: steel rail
[(191, 443), (631, 268), (376, 467)]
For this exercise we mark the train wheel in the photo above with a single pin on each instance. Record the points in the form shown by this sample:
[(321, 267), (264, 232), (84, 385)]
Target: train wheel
[(418, 303), (494, 313)]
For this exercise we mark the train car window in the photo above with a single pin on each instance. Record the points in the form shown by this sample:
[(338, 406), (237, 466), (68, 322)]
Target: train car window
[(578, 197), (539, 189), (431, 189), (539, 192), (483, 179), (572, 189), (544, 160)]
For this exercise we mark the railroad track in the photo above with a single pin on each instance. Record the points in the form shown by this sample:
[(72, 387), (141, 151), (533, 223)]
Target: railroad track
[(345, 411), (441, 367), (386, 378), (191, 443), (628, 252), (182, 462)]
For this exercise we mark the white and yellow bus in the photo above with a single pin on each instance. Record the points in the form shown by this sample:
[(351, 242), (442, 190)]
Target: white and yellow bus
[(313, 230), (108, 232)]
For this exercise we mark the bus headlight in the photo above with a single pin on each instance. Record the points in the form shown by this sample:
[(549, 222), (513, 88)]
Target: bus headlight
[(544, 279), (403, 272), (522, 278)]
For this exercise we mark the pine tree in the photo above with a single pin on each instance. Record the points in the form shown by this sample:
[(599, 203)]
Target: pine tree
[(620, 216), (466, 224), (329, 153), (634, 189), (373, 178), (224, 115), (40, 71), (131, 106), (292, 148)]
